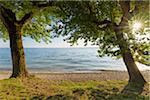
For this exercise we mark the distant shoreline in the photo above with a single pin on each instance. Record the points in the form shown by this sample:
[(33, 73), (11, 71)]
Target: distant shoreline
[(53, 47), (47, 70)]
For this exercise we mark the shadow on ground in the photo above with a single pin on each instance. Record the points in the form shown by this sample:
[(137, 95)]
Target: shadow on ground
[(133, 88), (133, 92)]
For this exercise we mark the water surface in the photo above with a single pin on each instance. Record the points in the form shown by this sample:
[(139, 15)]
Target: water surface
[(63, 59)]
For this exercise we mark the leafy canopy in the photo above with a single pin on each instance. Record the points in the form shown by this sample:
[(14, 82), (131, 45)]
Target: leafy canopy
[(89, 20), (35, 27), (93, 21)]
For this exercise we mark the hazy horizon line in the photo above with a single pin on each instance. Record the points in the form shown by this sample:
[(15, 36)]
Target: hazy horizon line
[(49, 47)]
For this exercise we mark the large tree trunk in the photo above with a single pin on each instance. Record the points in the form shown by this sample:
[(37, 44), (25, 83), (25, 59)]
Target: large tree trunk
[(17, 53), (134, 73), (13, 26), (136, 80)]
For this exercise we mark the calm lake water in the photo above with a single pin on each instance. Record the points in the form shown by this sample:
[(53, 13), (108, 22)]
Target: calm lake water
[(63, 59)]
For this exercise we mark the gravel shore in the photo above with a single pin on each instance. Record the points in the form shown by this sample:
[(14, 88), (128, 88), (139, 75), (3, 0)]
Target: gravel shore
[(103, 75)]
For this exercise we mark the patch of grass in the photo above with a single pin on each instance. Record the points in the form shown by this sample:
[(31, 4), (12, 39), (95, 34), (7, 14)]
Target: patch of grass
[(12, 88), (38, 89)]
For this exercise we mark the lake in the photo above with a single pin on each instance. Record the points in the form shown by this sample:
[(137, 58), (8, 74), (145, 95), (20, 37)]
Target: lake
[(63, 60)]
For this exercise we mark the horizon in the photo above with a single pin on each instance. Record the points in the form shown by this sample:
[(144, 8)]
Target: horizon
[(56, 43), (52, 47)]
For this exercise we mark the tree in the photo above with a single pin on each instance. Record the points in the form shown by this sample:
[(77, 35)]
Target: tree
[(23, 18), (108, 24)]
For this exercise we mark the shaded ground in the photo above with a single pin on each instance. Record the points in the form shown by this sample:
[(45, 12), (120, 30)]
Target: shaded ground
[(40, 89), (102, 85)]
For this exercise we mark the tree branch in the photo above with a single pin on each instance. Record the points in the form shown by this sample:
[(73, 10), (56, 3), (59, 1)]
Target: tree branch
[(37, 4), (7, 16), (102, 22), (25, 18), (43, 4), (125, 6), (105, 23), (95, 21), (8, 13), (137, 9)]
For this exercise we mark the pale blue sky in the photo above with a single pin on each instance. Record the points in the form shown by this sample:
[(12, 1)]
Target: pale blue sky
[(56, 43)]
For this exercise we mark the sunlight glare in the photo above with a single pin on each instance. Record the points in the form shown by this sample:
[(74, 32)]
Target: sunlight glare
[(137, 26)]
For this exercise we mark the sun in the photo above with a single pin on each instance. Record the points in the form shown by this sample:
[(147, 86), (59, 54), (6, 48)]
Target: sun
[(137, 26)]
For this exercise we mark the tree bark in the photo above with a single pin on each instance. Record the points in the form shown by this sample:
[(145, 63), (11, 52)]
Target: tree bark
[(135, 75), (13, 27), (17, 53)]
